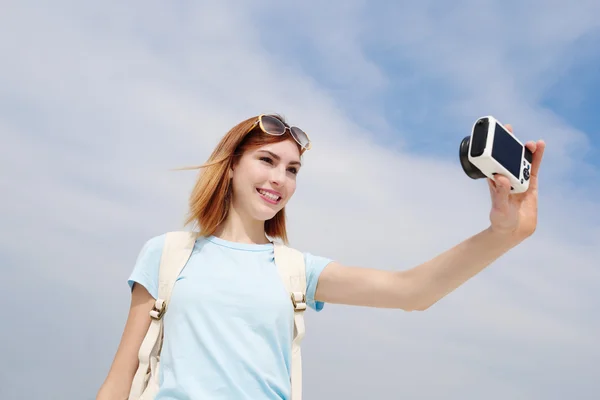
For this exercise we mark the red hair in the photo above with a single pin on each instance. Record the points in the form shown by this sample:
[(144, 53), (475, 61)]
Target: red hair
[(210, 199)]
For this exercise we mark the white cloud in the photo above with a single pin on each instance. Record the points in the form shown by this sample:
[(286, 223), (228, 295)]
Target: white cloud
[(100, 104)]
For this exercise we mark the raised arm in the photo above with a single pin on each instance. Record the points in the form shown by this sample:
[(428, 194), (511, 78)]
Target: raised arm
[(120, 376), (417, 288), (513, 218)]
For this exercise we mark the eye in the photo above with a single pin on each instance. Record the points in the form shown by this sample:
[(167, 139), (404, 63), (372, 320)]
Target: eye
[(267, 160), (293, 170)]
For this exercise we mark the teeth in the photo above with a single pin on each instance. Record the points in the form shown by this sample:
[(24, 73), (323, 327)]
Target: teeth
[(269, 195)]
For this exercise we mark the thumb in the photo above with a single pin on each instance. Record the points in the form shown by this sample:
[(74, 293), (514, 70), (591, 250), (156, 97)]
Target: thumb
[(500, 188)]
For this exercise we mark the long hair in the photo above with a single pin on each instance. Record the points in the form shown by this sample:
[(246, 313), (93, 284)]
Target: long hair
[(210, 199)]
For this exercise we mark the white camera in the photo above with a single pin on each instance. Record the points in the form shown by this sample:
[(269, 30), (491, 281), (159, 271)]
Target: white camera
[(491, 149)]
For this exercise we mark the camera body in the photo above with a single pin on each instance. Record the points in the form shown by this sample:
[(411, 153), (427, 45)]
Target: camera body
[(491, 149)]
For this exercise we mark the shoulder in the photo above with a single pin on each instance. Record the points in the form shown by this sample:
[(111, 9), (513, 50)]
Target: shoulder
[(315, 263), (310, 258), (146, 268), (153, 246), (152, 249), (312, 262)]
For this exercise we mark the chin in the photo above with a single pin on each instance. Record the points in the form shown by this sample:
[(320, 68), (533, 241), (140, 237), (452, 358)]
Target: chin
[(265, 213)]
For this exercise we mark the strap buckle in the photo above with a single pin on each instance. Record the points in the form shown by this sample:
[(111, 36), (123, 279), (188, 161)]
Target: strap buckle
[(158, 309), (299, 301)]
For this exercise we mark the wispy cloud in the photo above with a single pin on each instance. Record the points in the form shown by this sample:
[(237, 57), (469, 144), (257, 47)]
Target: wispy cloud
[(98, 104)]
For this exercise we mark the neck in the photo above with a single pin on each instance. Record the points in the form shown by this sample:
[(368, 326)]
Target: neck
[(235, 228)]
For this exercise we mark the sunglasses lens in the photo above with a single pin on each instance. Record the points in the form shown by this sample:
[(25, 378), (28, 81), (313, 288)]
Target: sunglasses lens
[(272, 125), (300, 136)]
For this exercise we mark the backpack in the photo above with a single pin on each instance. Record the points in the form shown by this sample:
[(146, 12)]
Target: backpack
[(176, 252)]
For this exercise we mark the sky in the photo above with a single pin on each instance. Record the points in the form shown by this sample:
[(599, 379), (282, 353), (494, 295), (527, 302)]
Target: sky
[(100, 102)]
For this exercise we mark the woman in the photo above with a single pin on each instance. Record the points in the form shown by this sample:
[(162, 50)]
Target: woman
[(231, 339)]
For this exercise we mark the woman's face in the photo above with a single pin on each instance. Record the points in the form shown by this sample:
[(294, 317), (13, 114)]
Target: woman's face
[(265, 179)]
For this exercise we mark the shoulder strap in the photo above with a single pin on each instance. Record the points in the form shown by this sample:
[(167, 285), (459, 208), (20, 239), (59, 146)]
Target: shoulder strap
[(290, 264), (175, 254), (177, 251)]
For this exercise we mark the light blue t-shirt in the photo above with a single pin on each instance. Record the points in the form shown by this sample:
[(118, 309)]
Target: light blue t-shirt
[(229, 326)]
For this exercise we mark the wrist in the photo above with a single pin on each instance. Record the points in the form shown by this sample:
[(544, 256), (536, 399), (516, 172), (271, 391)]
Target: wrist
[(507, 238)]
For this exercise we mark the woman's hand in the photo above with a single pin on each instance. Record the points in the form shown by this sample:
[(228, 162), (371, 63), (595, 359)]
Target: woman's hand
[(515, 215)]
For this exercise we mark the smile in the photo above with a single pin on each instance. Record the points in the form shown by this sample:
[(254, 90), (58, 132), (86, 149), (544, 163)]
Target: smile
[(269, 196)]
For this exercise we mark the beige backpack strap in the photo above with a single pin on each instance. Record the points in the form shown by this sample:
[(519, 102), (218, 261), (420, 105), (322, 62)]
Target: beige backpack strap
[(290, 264), (175, 254)]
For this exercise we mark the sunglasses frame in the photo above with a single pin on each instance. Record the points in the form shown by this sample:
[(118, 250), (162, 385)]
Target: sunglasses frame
[(286, 128)]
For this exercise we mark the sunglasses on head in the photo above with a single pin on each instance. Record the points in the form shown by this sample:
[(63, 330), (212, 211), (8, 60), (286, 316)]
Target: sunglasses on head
[(274, 126)]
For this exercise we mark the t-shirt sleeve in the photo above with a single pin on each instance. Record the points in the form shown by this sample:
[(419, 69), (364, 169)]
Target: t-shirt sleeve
[(146, 268), (314, 266)]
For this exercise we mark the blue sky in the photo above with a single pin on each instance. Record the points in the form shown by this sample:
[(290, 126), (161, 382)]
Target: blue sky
[(99, 102), (576, 94)]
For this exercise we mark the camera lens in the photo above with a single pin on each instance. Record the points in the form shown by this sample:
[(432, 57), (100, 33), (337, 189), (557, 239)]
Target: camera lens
[(471, 170)]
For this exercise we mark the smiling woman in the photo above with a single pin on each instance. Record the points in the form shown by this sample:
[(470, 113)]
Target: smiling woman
[(231, 331), (261, 154)]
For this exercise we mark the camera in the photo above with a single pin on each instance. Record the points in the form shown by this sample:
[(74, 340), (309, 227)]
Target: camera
[(491, 149)]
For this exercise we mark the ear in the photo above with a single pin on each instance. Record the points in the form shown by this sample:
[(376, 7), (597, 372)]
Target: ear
[(232, 167)]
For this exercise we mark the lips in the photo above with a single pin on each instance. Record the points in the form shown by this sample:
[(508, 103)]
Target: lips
[(270, 196)]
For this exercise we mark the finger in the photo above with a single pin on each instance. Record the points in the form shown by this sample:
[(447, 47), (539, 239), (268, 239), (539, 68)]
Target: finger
[(502, 183), (493, 190), (509, 127), (531, 145), (500, 190), (491, 186), (538, 154)]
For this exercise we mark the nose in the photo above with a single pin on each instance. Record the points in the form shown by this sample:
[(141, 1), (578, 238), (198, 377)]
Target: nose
[(278, 176)]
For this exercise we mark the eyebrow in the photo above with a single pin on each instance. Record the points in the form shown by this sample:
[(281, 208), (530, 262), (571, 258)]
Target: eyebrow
[(275, 156)]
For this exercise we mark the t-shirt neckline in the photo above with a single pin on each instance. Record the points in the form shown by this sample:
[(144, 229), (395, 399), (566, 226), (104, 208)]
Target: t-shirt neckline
[(239, 245)]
